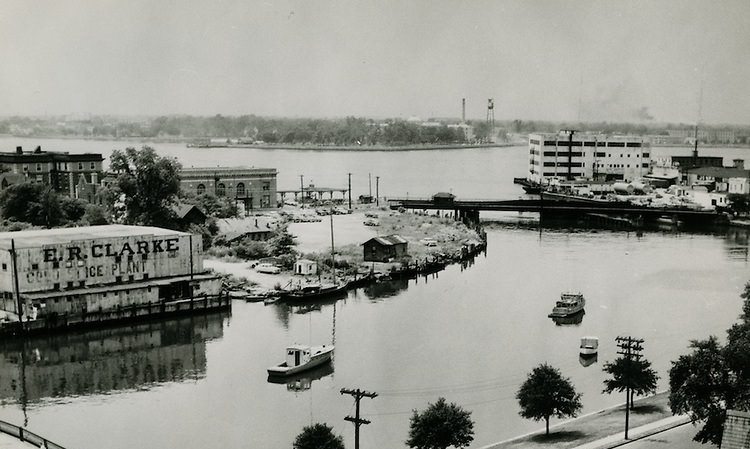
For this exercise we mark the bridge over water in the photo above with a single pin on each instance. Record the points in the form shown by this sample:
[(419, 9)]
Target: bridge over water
[(469, 209)]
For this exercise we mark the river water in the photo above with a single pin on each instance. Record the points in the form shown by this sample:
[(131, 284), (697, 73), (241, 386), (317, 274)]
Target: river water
[(469, 334)]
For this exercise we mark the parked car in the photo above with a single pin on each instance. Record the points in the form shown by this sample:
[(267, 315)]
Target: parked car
[(429, 242), (267, 268)]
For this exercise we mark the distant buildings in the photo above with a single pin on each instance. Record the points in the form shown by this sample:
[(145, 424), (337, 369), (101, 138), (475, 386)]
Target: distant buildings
[(556, 156), (252, 188), (74, 175)]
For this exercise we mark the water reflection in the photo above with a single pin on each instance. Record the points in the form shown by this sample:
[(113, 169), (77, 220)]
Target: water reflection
[(303, 381), (385, 289), (101, 361), (588, 360), (570, 320)]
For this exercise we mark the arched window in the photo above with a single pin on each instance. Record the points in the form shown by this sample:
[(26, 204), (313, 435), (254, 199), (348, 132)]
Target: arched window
[(240, 189), (201, 189), (221, 189)]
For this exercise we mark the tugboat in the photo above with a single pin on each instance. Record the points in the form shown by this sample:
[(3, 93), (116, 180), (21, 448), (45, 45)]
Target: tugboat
[(569, 304)]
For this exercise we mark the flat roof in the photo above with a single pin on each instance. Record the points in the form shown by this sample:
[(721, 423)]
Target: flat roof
[(38, 237)]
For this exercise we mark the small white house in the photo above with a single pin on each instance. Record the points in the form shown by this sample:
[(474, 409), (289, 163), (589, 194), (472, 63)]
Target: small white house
[(305, 267)]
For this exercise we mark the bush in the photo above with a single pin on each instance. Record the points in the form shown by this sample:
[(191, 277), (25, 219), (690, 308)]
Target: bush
[(250, 250)]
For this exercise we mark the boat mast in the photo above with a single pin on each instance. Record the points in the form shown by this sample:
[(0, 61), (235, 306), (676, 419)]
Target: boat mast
[(333, 260)]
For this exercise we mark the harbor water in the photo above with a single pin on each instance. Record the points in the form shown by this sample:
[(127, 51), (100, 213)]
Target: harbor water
[(469, 333)]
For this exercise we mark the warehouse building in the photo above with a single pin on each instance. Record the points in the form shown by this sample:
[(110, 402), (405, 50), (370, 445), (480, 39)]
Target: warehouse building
[(64, 277), (560, 156)]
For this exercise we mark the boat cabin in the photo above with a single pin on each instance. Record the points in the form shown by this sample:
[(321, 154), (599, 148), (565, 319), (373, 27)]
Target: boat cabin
[(589, 345), (297, 355)]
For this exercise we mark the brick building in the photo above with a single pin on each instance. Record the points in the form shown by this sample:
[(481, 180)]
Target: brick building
[(252, 188), (64, 172)]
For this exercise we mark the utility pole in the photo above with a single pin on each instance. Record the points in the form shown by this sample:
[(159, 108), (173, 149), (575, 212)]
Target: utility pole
[(377, 190), (350, 191), (358, 395), (630, 348), (369, 184), (301, 190)]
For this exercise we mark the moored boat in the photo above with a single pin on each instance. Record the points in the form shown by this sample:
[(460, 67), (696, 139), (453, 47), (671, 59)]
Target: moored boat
[(315, 291), (589, 346), (300, 358), (569, 304)]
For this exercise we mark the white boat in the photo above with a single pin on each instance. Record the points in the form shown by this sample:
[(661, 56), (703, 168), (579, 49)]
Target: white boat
[(300, 358), (589, 345), (569, 304)]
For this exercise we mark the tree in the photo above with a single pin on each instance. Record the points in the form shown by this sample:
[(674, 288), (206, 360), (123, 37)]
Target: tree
[(441, 425), (148, 185), (635, 374), (95, 215), (318, 436), (32, 203), (714, 378), (546, 393)]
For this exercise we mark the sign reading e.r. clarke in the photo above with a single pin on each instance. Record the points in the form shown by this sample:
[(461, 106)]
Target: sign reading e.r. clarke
[(111, 250)]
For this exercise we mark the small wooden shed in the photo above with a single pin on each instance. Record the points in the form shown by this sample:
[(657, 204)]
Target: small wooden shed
[(306, 267), (385, 248)]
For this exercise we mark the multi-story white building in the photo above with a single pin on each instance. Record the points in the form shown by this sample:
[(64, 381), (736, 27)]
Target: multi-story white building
[(558, 157), (100, 273)]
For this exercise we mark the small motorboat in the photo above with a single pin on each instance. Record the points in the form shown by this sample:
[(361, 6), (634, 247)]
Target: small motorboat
[(300, 358), (569, 304), (589, 346)]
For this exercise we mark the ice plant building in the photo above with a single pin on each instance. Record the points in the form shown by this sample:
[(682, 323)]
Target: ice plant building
[(68, 277)]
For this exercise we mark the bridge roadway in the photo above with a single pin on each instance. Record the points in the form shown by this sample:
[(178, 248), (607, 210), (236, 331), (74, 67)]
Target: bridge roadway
[(553, 206)]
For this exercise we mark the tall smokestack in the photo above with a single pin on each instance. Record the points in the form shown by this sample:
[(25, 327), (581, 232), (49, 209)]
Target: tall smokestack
[(463, 110)]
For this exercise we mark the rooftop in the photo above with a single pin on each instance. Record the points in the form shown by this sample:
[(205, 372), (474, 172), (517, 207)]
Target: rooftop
[(38, 237), (389, 240), (720, 172)]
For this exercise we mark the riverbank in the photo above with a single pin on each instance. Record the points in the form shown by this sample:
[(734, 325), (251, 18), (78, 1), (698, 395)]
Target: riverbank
[(386, 148), (594, 426)]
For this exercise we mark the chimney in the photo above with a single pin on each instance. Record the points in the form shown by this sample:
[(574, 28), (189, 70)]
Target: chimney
[(19, 150), (463, 110)]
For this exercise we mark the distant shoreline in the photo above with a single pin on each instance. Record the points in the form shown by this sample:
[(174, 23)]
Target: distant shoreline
[(189, 142)]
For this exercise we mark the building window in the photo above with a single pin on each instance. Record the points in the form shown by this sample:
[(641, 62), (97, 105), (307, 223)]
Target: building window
[(118, 279), (34, 266), (221, 189), (266, 186), (201, 189), (80, 166), (145, 277), (70, 284), (81, 283), (240, 189), (93, 166), (55, 264), (38, 167), (56, 286), (25, 167), (5, 267)]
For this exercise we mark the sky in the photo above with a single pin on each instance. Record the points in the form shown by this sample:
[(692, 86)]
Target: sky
[(666, 60)]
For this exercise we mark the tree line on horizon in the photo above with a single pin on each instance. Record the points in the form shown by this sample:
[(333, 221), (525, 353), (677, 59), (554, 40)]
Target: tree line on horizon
[(317, 131)]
